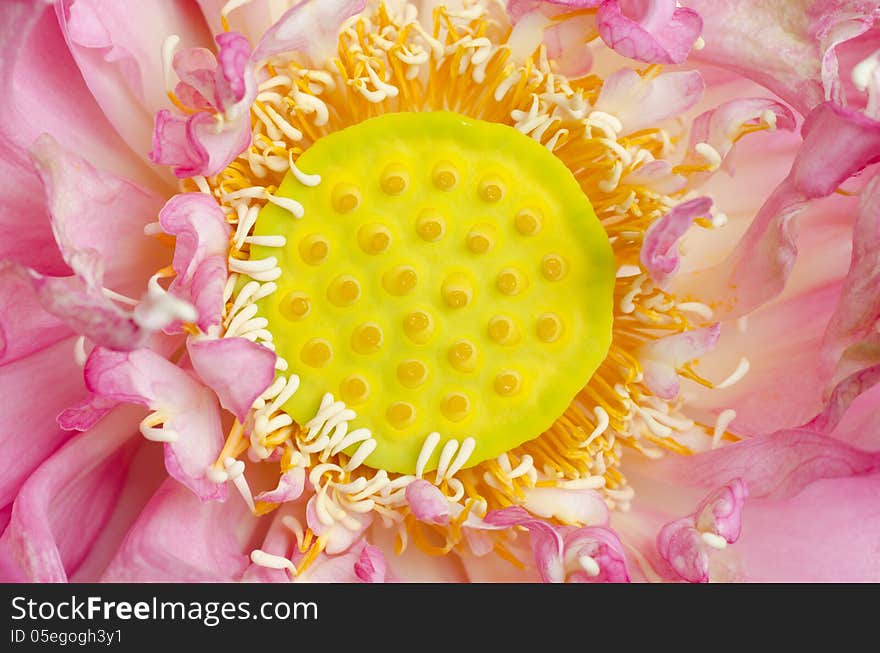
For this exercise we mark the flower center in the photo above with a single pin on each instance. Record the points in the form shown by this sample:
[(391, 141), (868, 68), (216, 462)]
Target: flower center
[(447, 275)]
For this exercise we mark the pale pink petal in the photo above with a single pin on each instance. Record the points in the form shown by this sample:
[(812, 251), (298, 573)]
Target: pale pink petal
[(96, 213), (788, 48), (719, 128), (838, 143), (659, 254), (655, 31), (25, 327), (774, 466), (586, 507), (681, 546), (339, 537), (857, 314), (194, 146), (201, 247), (64, 504), (604, 548), (236, 369), (516, 9), (640, 102), (547, 543), (38, 75), (371, 566), (721, 511), (179, 539), (662, 358), (118, 48), (427, 502), (29, 433), (309, 28), (290, 487), (86, 310), (191, 416), (827, 533)]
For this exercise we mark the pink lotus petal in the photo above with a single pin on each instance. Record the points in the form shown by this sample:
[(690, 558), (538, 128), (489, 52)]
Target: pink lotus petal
[(604, 548), (290, 487), (96, 215), (39, 74), (64, 504), (791, 52), (858, 312), (659, 253), (838, 143), (371, 566), (681, 546), (200, 251), (189, 410), (236, 369), (309, 28), (25, 327), (547, 543), (205, 142), (30, 436), (427, 502), (662, 358), (640, 102), (655, 31), (775, 466), (516, 9), (179, 539), (721, 511), (656, 175), (118, 49), (685, 543)]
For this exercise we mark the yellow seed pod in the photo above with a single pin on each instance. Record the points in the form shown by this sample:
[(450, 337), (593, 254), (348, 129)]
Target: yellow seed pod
[(447, 275)]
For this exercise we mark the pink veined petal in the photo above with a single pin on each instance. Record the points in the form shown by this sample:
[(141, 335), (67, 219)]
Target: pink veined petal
[(233, 70), (193, 146), (604, 548), (29, 433), (339, 537), (790, 49), (25, 327), (774, 466), (640, 102), (721, 511), (290, 487), (201, 246), (64, 504), (309, 28), (838, 143), (662, 358), (570, 506), (858, 312), (654, 31), (236, 369), (842, 398), (427, 502), (178, 539), (720, 127), (190, 414), (681, 546), (98, 213), (118, 49), (370, 566), (659, 254), (86, 310), (547, 543)]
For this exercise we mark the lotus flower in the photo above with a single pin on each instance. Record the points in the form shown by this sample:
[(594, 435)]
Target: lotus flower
[(570, 291)]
